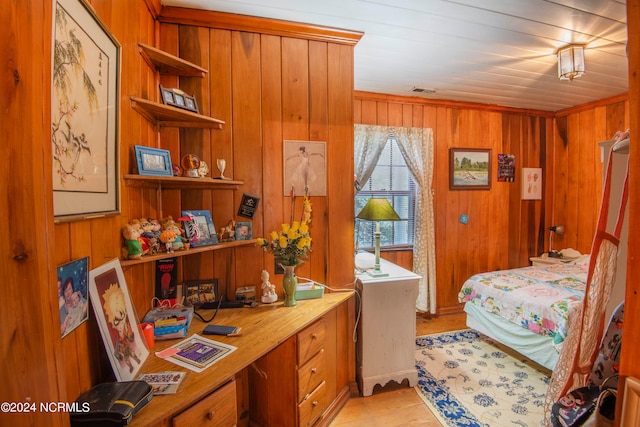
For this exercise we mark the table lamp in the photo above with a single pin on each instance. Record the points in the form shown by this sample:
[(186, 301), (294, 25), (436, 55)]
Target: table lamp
[(378, 209), (558, 229)]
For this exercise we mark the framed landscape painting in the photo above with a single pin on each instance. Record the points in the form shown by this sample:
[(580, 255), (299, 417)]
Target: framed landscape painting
[(469, 169)]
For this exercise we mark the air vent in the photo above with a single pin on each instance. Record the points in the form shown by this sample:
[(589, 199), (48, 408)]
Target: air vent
[(423, 90)]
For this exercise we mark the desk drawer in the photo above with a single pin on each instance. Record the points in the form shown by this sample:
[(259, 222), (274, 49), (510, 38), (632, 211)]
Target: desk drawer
[(217, 409), (311, 340), (311, 374), (312, 407)]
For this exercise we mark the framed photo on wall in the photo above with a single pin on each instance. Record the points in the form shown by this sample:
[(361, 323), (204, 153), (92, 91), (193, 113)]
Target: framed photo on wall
[(85, 113), (73, 295), (531, 183), (305, 168), (117, 320), (469, 169)]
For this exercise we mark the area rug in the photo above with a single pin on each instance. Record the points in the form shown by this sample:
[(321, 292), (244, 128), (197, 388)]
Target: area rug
[(468, 379)]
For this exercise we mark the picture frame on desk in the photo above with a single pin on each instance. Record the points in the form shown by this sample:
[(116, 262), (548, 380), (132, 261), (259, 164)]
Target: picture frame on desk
[(153, 161), (117, 320), (199, 228), (84, 144), (201, 291)]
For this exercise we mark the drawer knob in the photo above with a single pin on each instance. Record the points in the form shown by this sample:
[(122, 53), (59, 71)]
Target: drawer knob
[(314, 336), (314, 403), (313, 370), (210, 414)]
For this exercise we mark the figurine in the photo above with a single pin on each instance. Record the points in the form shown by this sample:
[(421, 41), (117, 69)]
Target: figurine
[(168, 238), (268, 290), (228, 232), (133, 247)]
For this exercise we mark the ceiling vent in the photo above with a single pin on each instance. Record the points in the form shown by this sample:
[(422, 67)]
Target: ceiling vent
[(423, 91)]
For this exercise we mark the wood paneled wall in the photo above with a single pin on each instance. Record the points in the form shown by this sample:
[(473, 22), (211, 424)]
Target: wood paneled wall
[(503, 230), (265, 96), (286, 82)]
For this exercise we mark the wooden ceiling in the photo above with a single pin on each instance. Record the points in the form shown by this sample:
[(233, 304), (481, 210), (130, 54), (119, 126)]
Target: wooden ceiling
[(499, 52)]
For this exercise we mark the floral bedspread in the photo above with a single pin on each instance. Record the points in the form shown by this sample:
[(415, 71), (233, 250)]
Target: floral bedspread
[(538, 298)]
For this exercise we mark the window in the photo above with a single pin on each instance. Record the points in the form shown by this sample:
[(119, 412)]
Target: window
[(390, 179)]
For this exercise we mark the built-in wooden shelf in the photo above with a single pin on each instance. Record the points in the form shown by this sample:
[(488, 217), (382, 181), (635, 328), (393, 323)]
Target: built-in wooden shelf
[(186, 252), (168, 116), (165, 63), (177, 182)]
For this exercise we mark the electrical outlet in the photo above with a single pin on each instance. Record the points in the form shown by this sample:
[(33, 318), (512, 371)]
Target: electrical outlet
[(277, 268)]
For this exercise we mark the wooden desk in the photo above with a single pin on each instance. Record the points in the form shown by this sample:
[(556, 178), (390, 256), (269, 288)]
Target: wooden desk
[(263, 329)]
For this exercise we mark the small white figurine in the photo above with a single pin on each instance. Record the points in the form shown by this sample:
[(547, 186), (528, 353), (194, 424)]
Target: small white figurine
[(268, 290)]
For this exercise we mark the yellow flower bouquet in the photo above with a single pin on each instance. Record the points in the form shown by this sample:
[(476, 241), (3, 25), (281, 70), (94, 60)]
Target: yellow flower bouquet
[(291, 244)]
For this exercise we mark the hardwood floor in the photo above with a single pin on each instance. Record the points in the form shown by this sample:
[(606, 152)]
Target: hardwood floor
[(397, 404)]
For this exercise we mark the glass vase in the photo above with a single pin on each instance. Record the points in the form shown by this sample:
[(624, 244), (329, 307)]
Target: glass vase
[(289, 283)]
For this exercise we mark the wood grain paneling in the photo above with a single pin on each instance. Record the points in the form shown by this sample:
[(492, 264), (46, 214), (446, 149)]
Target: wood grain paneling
[(504, 230), (271, 107)]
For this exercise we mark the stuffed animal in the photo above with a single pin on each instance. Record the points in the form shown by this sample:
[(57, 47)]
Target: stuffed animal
[(168, 224), (149, 236), (133, 247), (168, 238)]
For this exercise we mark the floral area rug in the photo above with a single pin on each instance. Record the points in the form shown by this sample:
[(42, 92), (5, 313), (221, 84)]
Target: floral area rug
[(467, 379)]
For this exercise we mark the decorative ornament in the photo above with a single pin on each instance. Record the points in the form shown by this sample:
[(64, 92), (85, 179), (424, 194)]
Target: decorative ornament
[(190, 165), (222, 164), (203, 170)]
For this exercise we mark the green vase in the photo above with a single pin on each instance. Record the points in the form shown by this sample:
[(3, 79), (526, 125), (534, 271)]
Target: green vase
[(289, 283)]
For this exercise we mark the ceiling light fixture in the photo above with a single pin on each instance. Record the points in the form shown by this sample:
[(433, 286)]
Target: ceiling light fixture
[(570, 62), (423, 90)]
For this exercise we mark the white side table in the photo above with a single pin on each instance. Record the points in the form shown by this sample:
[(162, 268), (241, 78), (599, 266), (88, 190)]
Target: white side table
[(387, 328), (545, 259)]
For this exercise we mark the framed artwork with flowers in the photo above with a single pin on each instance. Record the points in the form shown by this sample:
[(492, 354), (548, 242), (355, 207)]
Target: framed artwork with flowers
[(85, 88)]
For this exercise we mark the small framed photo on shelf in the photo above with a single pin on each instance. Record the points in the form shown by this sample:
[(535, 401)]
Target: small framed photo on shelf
[(199, 228), (201, 291), (153, 161), (178, 98), (243, 231)]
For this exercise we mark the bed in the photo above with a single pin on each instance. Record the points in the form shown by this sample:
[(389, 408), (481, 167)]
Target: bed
[(526, 308)]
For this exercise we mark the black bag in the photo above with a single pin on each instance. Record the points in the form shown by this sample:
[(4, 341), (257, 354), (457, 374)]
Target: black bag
[(110, 404)]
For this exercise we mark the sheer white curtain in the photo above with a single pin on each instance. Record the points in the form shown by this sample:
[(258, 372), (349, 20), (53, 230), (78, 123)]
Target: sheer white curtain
[(416, 145), (369, 141)]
